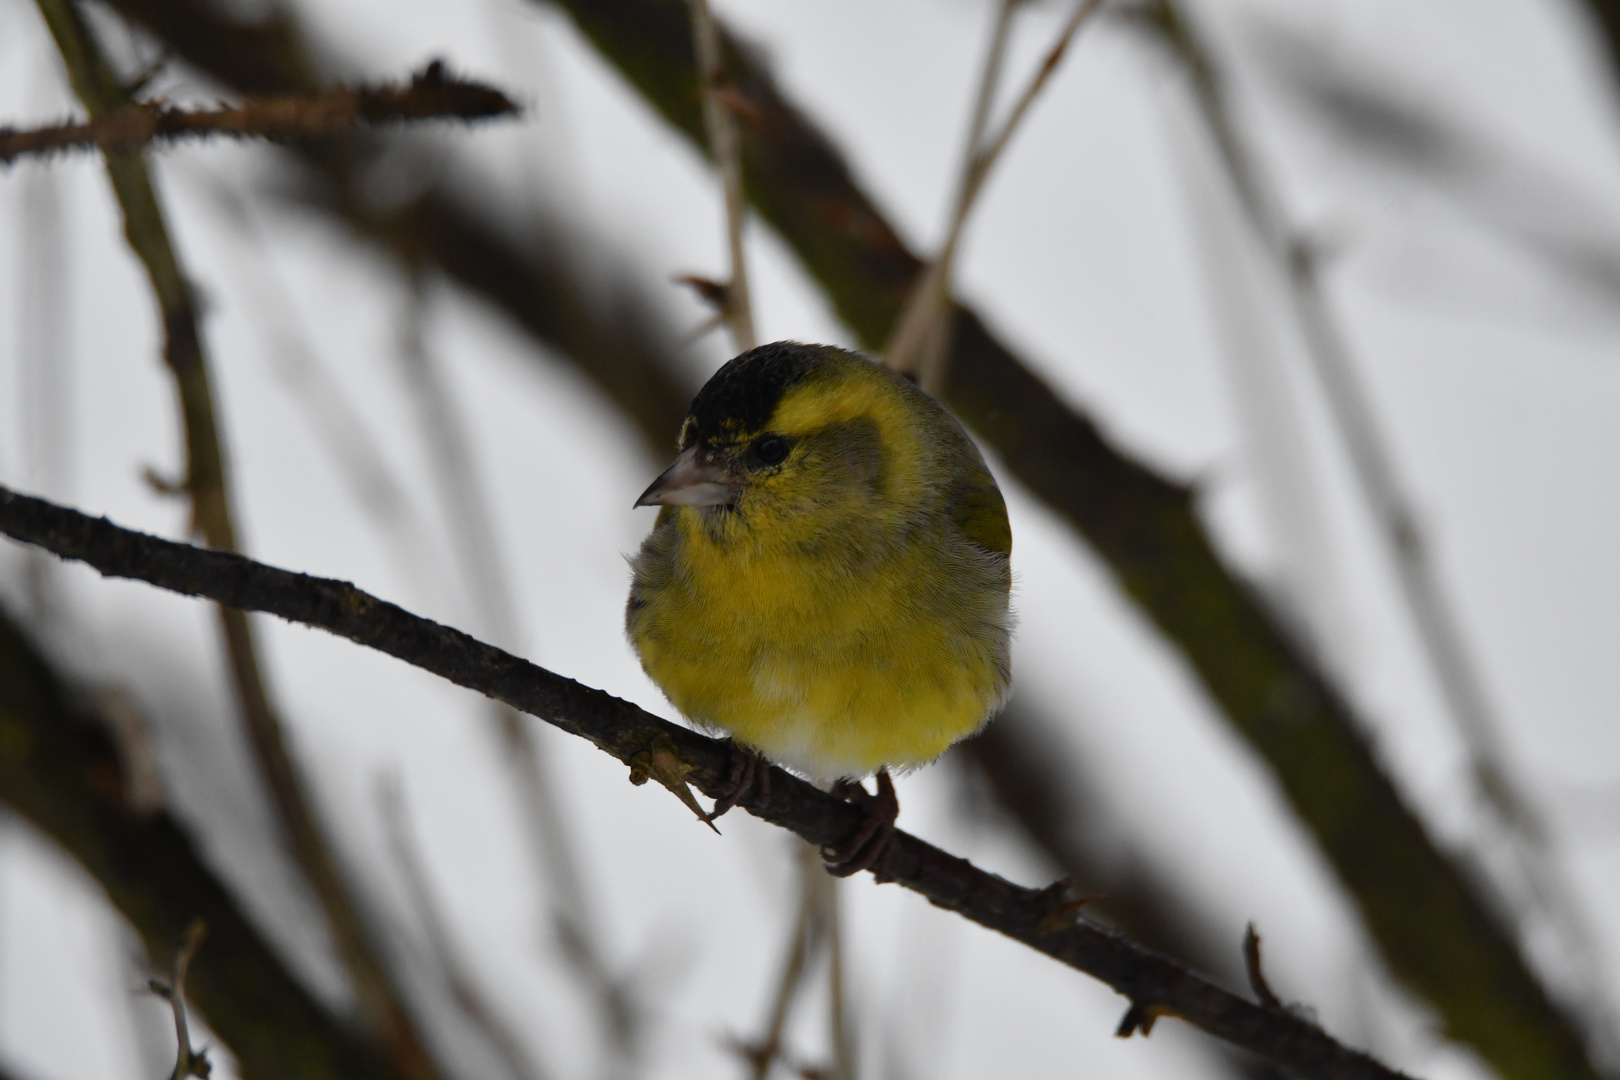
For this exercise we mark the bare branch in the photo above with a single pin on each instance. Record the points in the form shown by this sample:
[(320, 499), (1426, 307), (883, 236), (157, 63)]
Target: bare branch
[(677, 756), (921, 339), (721, 125), (430, 95)]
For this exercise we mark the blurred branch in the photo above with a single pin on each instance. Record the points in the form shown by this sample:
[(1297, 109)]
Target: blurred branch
[(921, 340), (1432, 613), (1433, 926), (60, 769), (99, 89), (463, 989), (126, 129), (654, 748), (721, 127)]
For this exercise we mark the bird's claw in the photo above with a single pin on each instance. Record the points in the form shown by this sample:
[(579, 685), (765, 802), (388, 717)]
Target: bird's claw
[(749, 778), (862, 850)]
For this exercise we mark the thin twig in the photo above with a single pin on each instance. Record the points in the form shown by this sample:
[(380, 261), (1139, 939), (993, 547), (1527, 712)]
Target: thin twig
[(463, 989), (677, 757), (188, 1060), (921, 338), (430, 94), (207, 484), (721, 125), (803, 942)]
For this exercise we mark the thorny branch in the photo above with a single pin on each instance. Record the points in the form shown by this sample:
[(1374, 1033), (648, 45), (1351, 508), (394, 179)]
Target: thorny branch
[(431, 94), (676, 757)]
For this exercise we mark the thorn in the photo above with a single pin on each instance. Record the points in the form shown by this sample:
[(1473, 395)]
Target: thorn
[(1064, 908), (662, 762), (1139, 1017), (717, 294), (162, 484), (1257, 978)]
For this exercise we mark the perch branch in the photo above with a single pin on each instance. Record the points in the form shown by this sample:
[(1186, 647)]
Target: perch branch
[(125, 129), (677, 756)]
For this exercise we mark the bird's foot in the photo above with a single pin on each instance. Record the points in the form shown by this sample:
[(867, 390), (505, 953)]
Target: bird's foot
[(862, 850), (748, 778)]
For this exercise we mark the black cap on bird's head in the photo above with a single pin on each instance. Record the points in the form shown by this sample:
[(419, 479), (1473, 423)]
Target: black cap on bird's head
[(741, 397), (734, 405)]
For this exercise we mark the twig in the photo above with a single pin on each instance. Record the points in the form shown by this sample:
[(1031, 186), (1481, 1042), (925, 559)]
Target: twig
[(430, 94), (921, 338), (188, 1060), (465, 992), (676, 756), (721, 125), (812, 933), (146, 228)]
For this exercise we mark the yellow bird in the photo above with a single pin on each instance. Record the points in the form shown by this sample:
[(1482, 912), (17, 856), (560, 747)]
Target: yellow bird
[(828, 579)]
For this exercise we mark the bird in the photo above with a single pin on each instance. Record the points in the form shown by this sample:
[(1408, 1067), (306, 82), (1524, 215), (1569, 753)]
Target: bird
[(828, 580)]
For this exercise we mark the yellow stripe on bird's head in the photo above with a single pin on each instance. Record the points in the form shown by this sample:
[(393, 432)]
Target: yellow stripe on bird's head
[(790, 440)]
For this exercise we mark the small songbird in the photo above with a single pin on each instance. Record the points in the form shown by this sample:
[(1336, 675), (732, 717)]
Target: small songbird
[(828, 578)]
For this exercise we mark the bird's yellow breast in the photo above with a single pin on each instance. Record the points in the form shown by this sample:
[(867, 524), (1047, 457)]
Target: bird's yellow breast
[(831, 668)]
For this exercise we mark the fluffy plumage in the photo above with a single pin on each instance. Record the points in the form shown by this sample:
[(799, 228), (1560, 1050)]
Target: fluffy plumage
[(828, 578)]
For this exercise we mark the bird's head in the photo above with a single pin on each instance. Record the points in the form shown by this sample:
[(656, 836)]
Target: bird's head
[(794, 440)]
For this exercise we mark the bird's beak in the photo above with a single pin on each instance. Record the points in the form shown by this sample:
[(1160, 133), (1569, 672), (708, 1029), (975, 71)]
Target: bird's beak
[(699, 477)]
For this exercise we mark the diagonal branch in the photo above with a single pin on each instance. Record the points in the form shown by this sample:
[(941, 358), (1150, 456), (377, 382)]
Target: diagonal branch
[(1039, 918), (430, 95)]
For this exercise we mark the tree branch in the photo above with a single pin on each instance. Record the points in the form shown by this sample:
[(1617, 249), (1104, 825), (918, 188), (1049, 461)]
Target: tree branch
[(655, 748), (123, 130)]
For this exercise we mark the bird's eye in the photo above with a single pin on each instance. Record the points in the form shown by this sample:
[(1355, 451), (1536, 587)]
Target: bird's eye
[(771, 450)]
